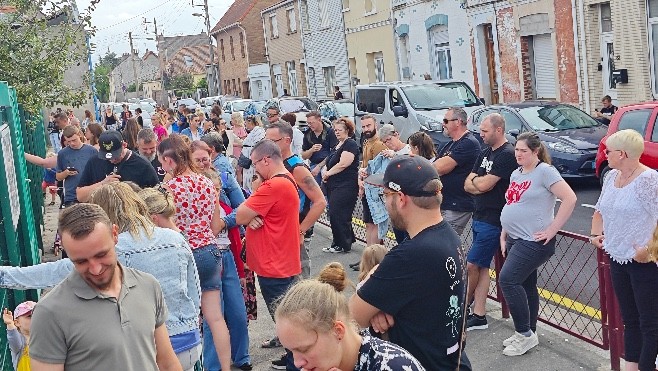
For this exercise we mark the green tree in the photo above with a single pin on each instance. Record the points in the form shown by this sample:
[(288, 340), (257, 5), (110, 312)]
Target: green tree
[(102, 81), (202, 84), (183, 83), (41, 39)]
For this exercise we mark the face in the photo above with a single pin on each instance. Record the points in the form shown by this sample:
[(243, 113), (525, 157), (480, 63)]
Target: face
[(73, 141), (314, 123), (606, 103), (614, 156), (116, 161), (524, 155), (368, 128), (391, 200), (450, 123), (249, 125), (24, 322), (181, 108), (147, 149), (94, 256), (195, 121), (488, 133), (341, 131), (310, 349), (275, 136), (272, 115), (201, 158), (390, 141), (62, 123), (261, 165)]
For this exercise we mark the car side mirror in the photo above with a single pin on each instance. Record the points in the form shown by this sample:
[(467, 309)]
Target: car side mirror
[(513, 132), (400, 111), (483, 101)]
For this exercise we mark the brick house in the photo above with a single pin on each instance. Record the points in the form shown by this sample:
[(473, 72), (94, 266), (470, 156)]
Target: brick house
[(240, 43), (523, 50), (283, 44)]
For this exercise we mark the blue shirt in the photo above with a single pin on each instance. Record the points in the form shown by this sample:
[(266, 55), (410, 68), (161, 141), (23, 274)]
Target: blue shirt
[(188, 133), (77, 158)]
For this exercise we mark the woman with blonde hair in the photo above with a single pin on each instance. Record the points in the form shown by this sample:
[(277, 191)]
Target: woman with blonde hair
[(627, 211), (160, 206), (313, 321)]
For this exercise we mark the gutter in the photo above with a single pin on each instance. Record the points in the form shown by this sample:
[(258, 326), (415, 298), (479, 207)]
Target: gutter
[(583, 46), (577, 52)]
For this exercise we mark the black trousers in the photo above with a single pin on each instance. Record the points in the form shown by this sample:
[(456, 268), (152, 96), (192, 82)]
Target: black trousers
[(342, 201)]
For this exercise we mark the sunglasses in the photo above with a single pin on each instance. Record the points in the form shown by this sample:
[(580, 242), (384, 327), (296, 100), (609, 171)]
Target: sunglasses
[(446, 121)]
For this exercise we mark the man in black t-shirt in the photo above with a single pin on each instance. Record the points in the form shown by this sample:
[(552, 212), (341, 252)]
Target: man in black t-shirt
[(488, 182), (114, 163), (454, 162), (319, 141), (147, 145), (605, 114), (417, 292)]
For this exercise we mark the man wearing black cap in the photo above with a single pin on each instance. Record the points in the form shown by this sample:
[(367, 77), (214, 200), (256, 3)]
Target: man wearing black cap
[(417, 292), (114, 163)]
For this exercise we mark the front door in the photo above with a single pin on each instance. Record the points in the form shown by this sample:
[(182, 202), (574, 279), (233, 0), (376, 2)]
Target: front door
[(491, 64), (608, 64)]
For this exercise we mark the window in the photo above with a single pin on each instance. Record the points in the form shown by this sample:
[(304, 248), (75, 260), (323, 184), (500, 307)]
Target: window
[(239, 86), (370, 6), (292, 21), (235, 90), (311, 82), (346, 5), (292, 78), (606, 18), (654, 135), (405, 57), (440, 45), (636, 120), (323, 6), (653, 41), (371, 100), (242, 48), (278, 84), (303, 10), (232, 48), (394, 98), (221, 46), (329, 74), (379, 67), (274, 26)]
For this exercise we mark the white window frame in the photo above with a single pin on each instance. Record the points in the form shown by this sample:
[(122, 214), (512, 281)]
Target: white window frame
[(445, 49), (652, 56), (346, 5), (329, 76), (292, 78), (292, 20), (379, 69), (373, 7), (324, 22), (274, 26)]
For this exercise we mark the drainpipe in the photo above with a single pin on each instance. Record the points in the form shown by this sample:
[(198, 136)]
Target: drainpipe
[(583, 47), (577, 50)]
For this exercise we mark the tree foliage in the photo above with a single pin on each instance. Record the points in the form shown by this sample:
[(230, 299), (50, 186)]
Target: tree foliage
[(41, 40), (202, 84), (183, 83)]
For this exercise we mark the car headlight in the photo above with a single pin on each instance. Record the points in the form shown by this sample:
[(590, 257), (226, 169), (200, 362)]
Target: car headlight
[(429, 124), (561, 147)]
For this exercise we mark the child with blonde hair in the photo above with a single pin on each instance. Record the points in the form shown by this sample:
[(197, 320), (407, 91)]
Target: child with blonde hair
[(18, 334), (370, 259)]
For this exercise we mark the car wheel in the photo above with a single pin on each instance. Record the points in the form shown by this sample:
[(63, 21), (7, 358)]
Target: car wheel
[(604, 173)]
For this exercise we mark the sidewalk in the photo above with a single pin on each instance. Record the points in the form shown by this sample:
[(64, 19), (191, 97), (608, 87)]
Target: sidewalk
[(556, 350)]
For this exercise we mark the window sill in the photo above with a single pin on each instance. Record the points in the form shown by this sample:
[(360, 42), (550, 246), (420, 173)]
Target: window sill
[(346, 10), (373, 12), (291, 32), (274, 37)]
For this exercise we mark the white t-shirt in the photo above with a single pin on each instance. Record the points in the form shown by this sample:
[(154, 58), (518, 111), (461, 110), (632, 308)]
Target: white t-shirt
[(223, 241), (297, 141)]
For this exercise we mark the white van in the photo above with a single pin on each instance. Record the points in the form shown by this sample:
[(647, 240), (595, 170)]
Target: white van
[(413, 106)]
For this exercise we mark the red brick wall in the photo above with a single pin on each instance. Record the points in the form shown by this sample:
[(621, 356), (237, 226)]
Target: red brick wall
[(508, 48), (566, 58), (526, 65)]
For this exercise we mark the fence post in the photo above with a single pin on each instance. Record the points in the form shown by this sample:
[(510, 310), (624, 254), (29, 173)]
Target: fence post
[(615, 325), (603, 297), (498, 266)]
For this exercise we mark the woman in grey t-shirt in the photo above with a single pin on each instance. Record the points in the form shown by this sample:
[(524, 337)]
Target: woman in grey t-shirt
[(528, 236)]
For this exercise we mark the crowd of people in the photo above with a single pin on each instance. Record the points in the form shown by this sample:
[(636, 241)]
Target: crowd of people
[(206, 211)]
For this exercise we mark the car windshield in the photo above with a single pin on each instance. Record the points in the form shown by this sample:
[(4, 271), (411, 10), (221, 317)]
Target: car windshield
[(187, 102), (297, 105), (556, 118), (147, 107), (240, 105), (345, 109), (440, 96), (259, 104)]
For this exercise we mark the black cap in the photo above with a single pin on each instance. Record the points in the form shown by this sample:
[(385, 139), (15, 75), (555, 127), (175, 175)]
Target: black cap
[(111, 145), (408, 174)]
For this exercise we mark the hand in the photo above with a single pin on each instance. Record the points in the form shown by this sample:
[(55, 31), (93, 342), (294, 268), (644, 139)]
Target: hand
[(111, 179), (546, 235), (8, 319), (388, 153), (503, 248), (363, 173), (381, 322), (222, 224), (641, 254), (69, 173), (316, 147), (597, 114), (316, 171), (255, 223), (597, 241), (325, 177)]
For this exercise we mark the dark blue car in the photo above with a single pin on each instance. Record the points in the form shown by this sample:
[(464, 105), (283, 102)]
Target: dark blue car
[(571, 135)]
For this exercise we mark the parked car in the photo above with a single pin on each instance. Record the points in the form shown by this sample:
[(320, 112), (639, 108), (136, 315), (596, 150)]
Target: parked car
[(640, 117), (300, 106), (333, 109), (233, 106), (255, 108), (189, 103), (571, 135), (147, 112), (413, 106)]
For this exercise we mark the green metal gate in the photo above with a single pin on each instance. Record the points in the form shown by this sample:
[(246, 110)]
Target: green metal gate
[(21, 204)]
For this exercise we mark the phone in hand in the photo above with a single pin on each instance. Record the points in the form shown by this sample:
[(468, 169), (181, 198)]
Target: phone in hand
[(71, 168)]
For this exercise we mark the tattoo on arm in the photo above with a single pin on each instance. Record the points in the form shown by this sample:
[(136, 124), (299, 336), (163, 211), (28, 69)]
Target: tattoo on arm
[(310, 182)]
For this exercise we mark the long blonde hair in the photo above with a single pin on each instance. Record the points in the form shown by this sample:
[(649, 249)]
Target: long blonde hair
[(372, 255), (124, 208), (158, 202)]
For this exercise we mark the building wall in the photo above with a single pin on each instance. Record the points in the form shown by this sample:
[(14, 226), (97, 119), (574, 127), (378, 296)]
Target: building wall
[(232, 67), (324, 47), (287, 46), (368, 33), (414, 16), (147, 70)]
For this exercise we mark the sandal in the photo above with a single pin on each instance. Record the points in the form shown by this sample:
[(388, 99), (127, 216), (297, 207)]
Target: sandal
[(272, 343)]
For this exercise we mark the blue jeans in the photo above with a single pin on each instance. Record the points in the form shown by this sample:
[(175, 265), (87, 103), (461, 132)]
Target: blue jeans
[(235, 314), (518, 280), (635, 286), (272, 289), (486, 241)]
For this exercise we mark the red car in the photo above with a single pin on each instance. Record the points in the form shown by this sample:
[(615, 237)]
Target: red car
[(640, 117)]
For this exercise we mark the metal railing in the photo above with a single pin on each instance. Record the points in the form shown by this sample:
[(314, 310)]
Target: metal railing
[(575, 289)]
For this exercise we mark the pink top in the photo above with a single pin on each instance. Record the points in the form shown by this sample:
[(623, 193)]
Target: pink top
[(241, 133), (161, 132), (195, 198)]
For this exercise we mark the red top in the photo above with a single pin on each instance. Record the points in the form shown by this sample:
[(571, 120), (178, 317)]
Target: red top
[(195, 198), (273, 249)]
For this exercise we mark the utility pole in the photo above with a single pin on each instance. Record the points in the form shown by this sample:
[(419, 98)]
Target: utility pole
[(132, 58), (163, 92), (212, 81)]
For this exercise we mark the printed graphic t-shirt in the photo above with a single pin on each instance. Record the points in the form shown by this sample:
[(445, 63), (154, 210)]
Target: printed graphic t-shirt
[(500, 163)]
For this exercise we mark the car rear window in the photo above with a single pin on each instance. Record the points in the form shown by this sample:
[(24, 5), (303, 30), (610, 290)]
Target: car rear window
[(636, 120), (371, 100)]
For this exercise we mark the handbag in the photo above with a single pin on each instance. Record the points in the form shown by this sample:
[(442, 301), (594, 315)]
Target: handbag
[(244, 161)]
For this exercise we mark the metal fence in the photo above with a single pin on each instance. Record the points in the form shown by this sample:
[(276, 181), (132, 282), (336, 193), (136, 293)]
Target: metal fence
[(20, 201), (574, 287)]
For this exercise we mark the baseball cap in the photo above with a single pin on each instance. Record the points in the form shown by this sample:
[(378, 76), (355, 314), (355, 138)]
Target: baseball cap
[(24, 308), (111, 145), (408, 174)]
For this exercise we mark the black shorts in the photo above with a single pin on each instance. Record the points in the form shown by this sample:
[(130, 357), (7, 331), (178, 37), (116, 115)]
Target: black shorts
[(367, 217)]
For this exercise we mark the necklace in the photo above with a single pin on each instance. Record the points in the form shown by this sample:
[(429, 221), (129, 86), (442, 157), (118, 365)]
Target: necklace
[(624, 182)]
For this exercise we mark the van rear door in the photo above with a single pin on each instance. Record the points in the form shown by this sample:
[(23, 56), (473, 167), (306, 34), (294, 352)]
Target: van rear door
[(370, 100)]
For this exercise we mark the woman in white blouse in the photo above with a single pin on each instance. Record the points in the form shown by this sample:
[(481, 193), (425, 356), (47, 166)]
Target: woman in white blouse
[(627, 212)]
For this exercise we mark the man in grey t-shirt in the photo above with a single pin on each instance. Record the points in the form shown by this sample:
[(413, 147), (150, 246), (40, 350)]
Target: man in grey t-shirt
[(103, 316), (71, 160)]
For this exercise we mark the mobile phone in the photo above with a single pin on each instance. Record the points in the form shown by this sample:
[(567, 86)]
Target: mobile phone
[(71, 168)]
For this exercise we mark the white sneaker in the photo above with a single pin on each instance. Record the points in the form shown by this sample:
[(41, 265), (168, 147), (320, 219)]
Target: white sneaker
[(510, 340), (521, 345)]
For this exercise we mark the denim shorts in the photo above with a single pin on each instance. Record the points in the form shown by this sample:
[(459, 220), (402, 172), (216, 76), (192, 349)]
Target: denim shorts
[(208, 261), (486, 241)]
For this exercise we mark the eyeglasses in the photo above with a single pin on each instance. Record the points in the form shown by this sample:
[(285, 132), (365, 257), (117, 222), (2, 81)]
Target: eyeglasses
[(382, 195), (272, 114), (261, 159), (277, 140), (607, 151), (446, 121), (385, 141)]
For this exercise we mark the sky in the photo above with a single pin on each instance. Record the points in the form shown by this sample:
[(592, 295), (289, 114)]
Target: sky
[(115, 18)]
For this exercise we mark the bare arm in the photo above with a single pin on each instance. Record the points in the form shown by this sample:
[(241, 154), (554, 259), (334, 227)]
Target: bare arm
[(245, 215), (36, 365), (597, 230), (445, 164), (84, 193), (362, 312), (310, 187), (165, 356), (217, 224), (476, 185), (562, 191), (48, 162), (345, 160)]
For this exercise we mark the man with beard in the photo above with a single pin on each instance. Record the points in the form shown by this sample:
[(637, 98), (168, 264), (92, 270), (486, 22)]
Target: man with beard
[(427, 320), (103, 316), (147, 144)]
